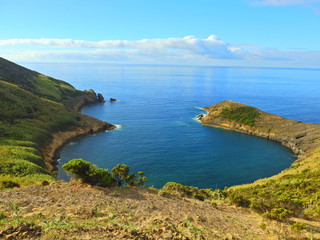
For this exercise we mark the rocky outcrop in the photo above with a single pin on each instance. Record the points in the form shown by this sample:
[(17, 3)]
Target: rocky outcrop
[(100, 98), (300, 137), (200, 116), (113, 100), (87, 98), (51, 152)]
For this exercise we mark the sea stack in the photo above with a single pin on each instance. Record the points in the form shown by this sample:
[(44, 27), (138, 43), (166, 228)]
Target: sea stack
[(100, 98)]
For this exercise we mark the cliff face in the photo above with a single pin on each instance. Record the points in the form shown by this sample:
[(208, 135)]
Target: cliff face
[(87, 98), (90, 125), (300, 137)]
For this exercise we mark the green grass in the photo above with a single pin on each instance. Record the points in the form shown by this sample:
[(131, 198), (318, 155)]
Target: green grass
[(33, 107), (298, 193), (243, 115)]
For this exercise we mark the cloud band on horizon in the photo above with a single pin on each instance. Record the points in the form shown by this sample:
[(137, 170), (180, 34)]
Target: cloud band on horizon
[(186, 50)]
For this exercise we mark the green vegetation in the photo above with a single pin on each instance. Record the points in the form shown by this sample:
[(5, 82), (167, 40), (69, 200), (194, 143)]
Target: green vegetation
[(291, 195), (244, 115), (33, 107), (89, 173), (180, 190)]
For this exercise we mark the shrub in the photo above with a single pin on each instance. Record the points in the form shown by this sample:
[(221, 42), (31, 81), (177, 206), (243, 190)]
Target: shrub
[(239, 199), (120, 173), (262, 225), (298, 227), (199, 197), (188, 191), (9, 184), (91, 174), (88, 172), (279, 214)]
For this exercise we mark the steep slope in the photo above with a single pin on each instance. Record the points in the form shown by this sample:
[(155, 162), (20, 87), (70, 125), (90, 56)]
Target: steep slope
[(34, 111)]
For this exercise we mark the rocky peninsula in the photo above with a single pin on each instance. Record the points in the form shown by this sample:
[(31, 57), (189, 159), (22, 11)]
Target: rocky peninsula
[(301, 138)]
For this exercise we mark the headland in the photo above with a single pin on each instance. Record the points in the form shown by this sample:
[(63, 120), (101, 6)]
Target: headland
[(301, 138)]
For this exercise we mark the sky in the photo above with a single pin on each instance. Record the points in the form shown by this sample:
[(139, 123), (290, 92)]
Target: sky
[(264, 33)]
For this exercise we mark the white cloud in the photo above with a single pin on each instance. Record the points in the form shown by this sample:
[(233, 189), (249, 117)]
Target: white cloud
[(286, 2), (211, 46), (186, 50)]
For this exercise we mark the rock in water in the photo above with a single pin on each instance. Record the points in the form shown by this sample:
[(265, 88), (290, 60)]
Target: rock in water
[(100, 98), (200, 116), (113, 100)]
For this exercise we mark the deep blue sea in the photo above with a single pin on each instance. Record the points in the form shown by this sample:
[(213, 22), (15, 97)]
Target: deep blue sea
[(157, 131)]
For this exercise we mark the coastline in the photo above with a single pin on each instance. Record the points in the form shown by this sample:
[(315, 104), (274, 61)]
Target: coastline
[(301, 138), (51, 152)]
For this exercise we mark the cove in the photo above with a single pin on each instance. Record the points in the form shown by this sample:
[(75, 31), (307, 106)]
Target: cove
[(182, 151), (157, 131)]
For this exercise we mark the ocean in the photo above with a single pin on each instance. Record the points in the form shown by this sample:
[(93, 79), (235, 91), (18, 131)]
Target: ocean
[(157, 130)]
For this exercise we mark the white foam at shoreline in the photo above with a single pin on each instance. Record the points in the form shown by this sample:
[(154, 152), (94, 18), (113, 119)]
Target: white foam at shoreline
[(118, 126), (201, 109), (196, 117)]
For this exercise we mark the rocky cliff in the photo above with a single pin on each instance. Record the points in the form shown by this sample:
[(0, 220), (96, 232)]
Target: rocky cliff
[(88, 98), (300, 137), (90, 125)]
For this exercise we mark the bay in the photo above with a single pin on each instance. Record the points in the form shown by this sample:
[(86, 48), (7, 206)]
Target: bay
[(157, 132)]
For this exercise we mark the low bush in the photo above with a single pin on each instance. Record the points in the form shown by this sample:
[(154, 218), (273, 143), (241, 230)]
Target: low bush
[(88, 172), (91, 174), (9, 184), (279, 214), (188, 191), (239, 200)]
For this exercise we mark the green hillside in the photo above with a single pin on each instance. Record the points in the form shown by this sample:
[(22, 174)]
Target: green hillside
[(33, 107)]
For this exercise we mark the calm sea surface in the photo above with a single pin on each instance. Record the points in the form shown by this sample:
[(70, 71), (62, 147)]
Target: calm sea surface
[(157, 131)]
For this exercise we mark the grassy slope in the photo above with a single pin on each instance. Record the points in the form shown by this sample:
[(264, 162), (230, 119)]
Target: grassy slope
[(33, 106)]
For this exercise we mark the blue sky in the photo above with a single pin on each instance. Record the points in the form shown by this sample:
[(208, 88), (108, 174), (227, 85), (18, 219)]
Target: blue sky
[(276, 33)]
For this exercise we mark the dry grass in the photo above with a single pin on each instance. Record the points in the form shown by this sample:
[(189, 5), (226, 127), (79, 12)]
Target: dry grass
[(77, 211)]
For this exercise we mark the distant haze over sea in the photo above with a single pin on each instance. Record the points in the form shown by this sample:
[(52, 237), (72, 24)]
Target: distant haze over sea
[(158, 133)]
